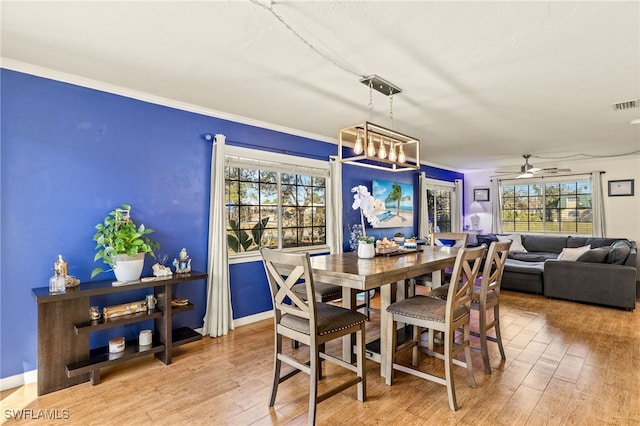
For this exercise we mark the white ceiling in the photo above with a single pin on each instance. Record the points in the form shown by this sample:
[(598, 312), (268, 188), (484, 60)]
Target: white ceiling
[(483, 82)]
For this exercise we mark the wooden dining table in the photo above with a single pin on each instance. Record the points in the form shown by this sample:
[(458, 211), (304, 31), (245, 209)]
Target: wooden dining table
[(382, 271)]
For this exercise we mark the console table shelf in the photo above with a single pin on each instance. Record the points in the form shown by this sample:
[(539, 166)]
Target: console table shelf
[(102, 324), (64, 357)]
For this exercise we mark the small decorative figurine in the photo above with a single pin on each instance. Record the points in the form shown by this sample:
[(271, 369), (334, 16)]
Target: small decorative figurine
[(182, 265), (159, 270)]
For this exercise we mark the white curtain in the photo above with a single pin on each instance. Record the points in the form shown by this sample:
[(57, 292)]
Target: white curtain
[(423, 215), (334, 233), (496, 195), (597, 205), (218, 319), (456, 207)]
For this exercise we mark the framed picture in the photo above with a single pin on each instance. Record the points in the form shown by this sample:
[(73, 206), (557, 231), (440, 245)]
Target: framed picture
[(621, 188), (481, 194), (394, 203)]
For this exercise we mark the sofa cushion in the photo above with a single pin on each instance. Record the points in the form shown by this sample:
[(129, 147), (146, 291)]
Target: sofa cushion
[(572, 254), (594, 242), (619, 252), (532, 257), (596, 255), (516, 242), (544, 243), (532, 268)]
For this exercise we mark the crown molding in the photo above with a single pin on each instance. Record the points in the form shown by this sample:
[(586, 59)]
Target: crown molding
[(77, 80)]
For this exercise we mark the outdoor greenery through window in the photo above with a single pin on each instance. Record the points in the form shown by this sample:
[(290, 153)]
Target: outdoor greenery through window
[(439, 209), (273, 208), (548, 207)]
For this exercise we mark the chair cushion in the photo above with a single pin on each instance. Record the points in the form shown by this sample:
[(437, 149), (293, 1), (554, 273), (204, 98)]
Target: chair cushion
[(426, 308), (442, 291), (324, 292), (330, 319)]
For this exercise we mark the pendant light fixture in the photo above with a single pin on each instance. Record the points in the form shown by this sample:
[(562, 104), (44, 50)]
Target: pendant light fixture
[(394, 152)]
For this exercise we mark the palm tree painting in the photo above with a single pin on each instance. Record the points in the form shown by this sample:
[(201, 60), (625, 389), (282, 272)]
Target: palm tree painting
[(396, 200)]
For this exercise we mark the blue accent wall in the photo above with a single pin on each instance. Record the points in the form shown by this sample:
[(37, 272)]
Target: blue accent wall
[(70, 154)]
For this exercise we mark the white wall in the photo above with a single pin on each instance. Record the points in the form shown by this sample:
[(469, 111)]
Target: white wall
[(622, 213)]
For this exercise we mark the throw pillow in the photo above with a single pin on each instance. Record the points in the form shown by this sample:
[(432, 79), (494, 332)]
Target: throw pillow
[(573, 254), (516, 242), (596, 255), (619, 252)]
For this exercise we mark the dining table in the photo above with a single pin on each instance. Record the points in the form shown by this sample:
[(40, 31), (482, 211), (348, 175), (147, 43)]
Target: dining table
[(382, 271)]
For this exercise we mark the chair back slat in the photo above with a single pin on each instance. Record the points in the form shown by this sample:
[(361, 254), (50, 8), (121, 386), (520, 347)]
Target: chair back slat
[(465, 272), (494, 268), (284, 270)]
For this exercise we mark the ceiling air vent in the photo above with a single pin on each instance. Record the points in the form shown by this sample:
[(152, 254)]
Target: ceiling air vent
[(621, 106)]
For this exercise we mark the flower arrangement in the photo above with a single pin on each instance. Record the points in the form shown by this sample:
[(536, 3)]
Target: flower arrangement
[(364, 201)]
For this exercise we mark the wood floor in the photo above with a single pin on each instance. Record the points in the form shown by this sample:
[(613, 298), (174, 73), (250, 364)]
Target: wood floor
[(567, 363)]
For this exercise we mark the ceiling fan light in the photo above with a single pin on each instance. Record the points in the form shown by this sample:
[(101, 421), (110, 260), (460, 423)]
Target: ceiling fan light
[(524, 175)]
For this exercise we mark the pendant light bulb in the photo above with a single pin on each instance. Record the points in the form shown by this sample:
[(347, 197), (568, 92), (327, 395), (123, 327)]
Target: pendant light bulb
[(382, 152), (371, 148), (392, 153), (357, 148), (401, 157)]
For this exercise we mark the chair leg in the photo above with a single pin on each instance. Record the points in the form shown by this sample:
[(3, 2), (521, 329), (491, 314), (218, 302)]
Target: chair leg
[(393, 342), (276, 370), (483, 340), (360, 362), (448, 370), (496, 320), (313, 386), (417, 336), (467, 354), (321, 348)]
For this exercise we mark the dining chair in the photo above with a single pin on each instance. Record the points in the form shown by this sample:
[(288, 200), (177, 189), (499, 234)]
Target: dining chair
[(448, 239), (484, 297), (444, 316), (312, 323)]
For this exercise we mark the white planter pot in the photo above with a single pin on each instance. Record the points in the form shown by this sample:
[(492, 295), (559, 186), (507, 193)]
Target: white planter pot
[(366, 250), (128, 268)]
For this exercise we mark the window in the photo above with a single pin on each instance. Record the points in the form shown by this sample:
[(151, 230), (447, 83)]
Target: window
[(547, 207), (439, 209), (274, 202), (440, 203)]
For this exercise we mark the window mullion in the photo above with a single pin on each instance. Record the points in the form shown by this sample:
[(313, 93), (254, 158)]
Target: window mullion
[(279, 188)]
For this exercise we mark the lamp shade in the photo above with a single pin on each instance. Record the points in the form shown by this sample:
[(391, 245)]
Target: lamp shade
[(476, 207)]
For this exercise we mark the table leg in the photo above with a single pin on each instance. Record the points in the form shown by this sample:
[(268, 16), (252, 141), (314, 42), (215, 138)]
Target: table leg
[(436, 279), (349, 302)]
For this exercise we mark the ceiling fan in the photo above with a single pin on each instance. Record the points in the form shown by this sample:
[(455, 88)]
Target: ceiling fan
[(527, 170)]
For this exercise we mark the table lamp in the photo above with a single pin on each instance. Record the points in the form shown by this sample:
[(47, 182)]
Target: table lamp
[(475, 208)]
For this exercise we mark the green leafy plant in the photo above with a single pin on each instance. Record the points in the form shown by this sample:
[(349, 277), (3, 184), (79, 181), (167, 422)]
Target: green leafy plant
[(239, 240), (118, 234), (365, 239), (398, 234)]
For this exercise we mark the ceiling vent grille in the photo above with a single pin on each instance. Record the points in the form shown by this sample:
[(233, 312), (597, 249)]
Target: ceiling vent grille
[(621, 106)]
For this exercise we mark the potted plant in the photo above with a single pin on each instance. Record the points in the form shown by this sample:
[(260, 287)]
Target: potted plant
[(122, 245), (398, 237), (366, 249)]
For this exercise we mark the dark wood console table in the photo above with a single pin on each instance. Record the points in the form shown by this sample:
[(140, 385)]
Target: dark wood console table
[(64, 357)]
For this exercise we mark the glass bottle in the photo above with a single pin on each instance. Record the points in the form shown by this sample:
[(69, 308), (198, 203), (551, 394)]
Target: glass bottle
[(58, 282)]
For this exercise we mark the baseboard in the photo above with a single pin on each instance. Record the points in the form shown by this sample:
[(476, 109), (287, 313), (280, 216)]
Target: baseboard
[(252, 318), (18, 380)]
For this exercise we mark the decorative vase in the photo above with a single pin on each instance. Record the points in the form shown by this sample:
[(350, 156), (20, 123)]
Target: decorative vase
[(128, 268), (366, 250)]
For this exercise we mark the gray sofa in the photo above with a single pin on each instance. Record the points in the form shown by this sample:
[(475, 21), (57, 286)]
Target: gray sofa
[(605, 274)]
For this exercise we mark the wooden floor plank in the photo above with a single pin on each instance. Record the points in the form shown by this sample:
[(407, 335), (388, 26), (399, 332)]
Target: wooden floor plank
[(580, 369)]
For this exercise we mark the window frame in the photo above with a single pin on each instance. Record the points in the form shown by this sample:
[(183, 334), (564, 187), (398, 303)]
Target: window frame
[(544, 181), (282, 163)]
